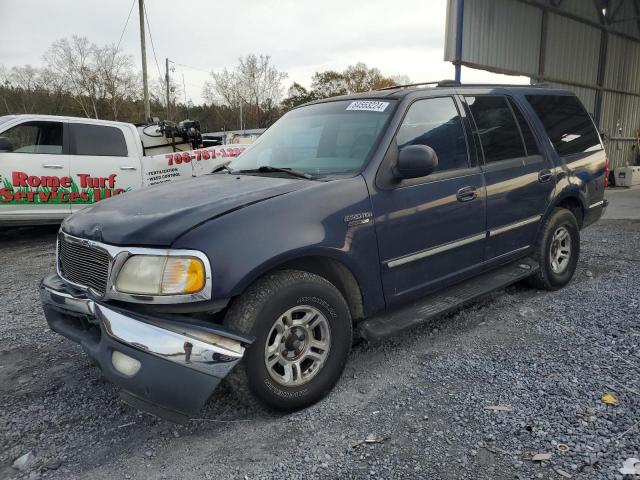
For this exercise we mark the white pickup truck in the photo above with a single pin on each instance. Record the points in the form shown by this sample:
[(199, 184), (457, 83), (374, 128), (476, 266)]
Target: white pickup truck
[(51, 166)]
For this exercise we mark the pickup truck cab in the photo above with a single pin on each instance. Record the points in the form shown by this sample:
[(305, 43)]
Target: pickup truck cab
[(363, 214), (52, 166)]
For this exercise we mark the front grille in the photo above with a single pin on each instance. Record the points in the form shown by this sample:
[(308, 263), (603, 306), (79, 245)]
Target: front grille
[(83, 265)]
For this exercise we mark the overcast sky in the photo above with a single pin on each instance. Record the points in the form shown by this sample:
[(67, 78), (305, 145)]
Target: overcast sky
[(301, 36)]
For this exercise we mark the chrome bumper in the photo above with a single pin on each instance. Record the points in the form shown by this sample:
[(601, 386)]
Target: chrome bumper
[(203, 351), (181, 360)]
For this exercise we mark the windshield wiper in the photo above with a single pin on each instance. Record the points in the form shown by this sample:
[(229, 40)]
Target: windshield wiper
[(269, 168), (224, 166)]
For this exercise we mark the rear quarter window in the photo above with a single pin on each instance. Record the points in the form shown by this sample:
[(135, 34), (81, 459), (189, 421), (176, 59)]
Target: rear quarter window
[(97, 140), (566, 122)]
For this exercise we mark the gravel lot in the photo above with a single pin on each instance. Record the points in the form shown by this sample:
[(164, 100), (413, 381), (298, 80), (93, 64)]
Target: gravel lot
[(420, 398)]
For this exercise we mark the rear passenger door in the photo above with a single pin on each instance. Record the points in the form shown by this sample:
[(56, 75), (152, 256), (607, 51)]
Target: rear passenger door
[(101, 164), (430, 230), (518, 178)]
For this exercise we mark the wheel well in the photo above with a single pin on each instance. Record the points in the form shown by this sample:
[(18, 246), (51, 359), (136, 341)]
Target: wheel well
[(574, 206), (336, 273)]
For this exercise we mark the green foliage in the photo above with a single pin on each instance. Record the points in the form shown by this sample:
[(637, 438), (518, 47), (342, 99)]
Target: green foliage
[(298, 95), (330, 83)]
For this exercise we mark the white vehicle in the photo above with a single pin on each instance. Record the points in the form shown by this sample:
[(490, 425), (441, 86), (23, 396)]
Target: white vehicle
[(51, 166)]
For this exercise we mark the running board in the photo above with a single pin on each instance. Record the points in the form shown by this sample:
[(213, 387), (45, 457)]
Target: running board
[(445, 301)]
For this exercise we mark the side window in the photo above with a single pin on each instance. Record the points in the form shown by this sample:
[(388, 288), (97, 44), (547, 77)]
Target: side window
[(567, 123), (97, 140), (499, 134), (35, 137), (527, 134), (436, 123)]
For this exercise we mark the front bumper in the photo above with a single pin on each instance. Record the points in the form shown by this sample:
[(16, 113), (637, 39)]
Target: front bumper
[(180, 361)]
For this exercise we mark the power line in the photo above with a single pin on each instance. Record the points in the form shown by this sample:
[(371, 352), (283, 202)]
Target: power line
[(153, 47), (125, 24), (192, 68)]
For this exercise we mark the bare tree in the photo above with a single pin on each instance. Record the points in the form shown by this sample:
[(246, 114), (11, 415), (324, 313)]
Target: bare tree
[(72, 61), (225, 88), (93, 76), (158, 92), (117, 77), (26, 81), (254, 81), (401, 79)]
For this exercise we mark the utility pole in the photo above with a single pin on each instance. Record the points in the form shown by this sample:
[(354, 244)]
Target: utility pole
[(147, 107), (166, 81), (184, 89)]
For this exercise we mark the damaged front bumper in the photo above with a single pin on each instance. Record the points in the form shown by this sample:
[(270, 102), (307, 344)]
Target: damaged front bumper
[(169, 365)]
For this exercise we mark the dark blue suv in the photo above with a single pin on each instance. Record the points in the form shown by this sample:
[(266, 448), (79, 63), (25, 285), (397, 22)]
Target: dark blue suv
[(356, 215)]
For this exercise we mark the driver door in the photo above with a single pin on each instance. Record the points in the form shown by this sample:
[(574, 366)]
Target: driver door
[(430, 230), (34, 172)]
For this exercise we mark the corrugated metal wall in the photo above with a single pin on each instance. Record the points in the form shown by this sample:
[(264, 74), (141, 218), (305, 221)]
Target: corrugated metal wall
[(577, 59), (507, 36), (512, 45)]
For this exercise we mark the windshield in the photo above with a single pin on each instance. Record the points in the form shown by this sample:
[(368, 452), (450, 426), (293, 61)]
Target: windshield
[(329, 138)]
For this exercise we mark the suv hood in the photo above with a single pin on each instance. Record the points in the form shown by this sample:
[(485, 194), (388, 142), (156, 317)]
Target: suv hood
[(157, 215)]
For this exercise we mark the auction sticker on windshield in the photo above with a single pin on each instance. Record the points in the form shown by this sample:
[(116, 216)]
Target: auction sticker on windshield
[(368, 106)]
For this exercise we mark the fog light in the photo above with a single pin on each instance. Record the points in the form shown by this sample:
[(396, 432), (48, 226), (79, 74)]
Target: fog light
[(125, 364)]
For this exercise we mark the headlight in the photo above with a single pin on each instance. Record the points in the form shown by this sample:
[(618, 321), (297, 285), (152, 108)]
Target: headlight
[(161, 275)]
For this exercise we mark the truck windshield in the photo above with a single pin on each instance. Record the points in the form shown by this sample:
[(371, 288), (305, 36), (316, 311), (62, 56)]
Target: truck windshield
[(331, 138)]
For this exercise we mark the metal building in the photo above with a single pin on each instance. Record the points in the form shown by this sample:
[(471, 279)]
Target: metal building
[(589, 46)]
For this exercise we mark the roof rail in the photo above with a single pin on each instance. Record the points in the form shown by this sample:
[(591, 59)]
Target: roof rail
[(439, 83)]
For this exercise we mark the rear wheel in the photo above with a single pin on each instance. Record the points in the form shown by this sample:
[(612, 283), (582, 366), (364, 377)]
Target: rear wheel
[(302, 329), (557, 251)]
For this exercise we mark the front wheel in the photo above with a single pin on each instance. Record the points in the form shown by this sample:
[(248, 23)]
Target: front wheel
[(302, 329), (557, 251)]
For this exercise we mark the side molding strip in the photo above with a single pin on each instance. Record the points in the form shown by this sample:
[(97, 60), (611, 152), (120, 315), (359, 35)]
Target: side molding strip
[(459, 243), (513, 226), (597, 204), (433, 251)]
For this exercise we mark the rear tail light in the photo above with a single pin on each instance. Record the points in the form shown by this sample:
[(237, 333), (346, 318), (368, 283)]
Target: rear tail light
[(606, 172)]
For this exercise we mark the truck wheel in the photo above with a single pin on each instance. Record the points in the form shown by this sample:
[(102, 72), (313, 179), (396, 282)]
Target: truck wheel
[(557, 251), (302, 329)]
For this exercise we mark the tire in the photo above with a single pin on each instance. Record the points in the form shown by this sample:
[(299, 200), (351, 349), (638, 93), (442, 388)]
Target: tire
[(278, 310), (554, 273)]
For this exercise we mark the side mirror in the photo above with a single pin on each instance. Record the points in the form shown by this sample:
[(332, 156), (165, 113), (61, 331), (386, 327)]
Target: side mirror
[(415, 161), (5, 145)]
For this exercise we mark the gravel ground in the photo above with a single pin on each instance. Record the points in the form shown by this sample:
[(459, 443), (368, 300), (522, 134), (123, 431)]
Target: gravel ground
[(413, 406)]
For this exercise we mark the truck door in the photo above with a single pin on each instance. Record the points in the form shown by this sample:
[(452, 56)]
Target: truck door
[(102, 162), (430, 230), (519, 180), (34, 172)]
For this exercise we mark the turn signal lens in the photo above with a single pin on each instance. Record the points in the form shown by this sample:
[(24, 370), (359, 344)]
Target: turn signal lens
[(182, 275)]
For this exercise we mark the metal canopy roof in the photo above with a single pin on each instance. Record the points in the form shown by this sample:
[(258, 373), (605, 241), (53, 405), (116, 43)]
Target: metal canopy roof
[(589, 46)]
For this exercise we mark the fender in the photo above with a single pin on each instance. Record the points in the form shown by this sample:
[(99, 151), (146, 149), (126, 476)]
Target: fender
[(569, 190), (314, 222), (371, 297)]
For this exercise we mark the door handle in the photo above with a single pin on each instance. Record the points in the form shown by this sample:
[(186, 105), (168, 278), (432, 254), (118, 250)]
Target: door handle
[(544, 176), (52, 165), (466, 194), (126, 167)]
